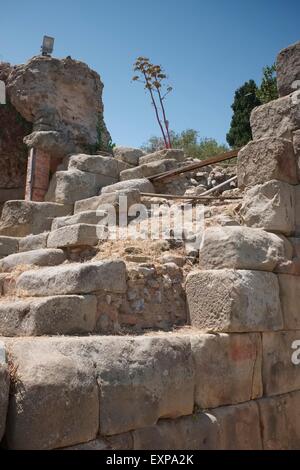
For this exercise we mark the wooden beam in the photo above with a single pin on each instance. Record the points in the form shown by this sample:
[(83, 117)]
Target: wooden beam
[(194, 166), (194, 198)]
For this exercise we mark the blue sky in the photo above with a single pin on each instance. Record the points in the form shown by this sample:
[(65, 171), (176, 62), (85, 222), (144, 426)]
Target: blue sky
[(208, 49)]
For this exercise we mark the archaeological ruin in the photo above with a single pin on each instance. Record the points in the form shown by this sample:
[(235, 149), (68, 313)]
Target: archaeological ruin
[(178, 338)]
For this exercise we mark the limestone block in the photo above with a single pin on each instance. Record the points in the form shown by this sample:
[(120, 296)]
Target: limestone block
[(143, 185), (280, 419), (55, 401), (242, 248), (239, 426), (128, 155), (266, 159), (227, 368), (41, 257), (196, 432), (280, 374), (8, 245), (288, 69), (278, 118), (66, 187), (107, 199), (4, 389), (270, 206), (229, 300), (22, 218), (166, 154), (296, 144), (74, 278), (98, 164), (64, 315), (148, 169), (75, 235), (289, 288), (297, 210), (88, 217), (33, 242)]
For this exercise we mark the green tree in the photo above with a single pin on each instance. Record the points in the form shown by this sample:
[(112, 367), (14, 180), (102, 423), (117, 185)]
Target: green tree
[(268, 88), (245, 100), (190, 142)]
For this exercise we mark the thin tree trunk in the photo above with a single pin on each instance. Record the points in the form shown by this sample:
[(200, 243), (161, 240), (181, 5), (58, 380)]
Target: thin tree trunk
[(165, 118), (156, 111)]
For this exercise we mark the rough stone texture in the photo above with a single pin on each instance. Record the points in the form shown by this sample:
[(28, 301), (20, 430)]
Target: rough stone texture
[(66, 187), (166, 154), (74, 279), (22, 218), (41, 257), (270, 206), (64, 315), (4, 389), (280, 421), (148, 169), (143, 185), (98, 164), (297, 209), (62, 98), (266, 159), (33, 242), (230, 300), (280, 375), (75, 235), (278, 118), (288, 69), (128, 155), (296, 144), (87, 217), (227, 368), (197, 432), (290, 300), (54, 401), (242, 248), (111, 199), (8, 245), (239, 427)]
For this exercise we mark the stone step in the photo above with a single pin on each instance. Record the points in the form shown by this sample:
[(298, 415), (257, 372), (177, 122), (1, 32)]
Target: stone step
[(41, 257), (33, 242), (76, 235), (91, 217), (8, 245), (104, 201), (63, 315)]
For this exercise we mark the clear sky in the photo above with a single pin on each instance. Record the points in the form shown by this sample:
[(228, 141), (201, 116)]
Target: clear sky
[(208, 48)]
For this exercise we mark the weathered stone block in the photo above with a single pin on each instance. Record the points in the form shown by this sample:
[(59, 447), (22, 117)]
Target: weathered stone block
[(288, 69), (280, 420), (278, 118), (9, 245), (42, 257), (64, 315), (33, 242), (231, 300), (242, 248), (98, 164), (4, 389), (75, 235), (22, 218), (74, 278), (280, 374), (227, 368), (66, 187), (128, 155), (270, 206), (143, 185), (87, 217), (297, 210), (107, 199), (166, 154), (268, 159), (289, 287), (239, 427), (148, 169)]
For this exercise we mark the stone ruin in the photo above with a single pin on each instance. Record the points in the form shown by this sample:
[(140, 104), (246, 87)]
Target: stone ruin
[(115, 344)]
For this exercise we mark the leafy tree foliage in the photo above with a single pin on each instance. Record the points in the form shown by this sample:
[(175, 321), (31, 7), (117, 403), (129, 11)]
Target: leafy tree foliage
[(268, 88)]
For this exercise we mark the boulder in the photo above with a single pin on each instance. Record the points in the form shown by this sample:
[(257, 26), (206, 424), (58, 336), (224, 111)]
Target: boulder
[(22, 218), (76, 235), (288, 69), (8, 245), (4, 389), (143, 185), (97, 164), (281, 362), (227, 368), (270, 206), (266, 159), (107, 200), (87, 217), (66, 187), (242, 248), (33, 242), (62, 314), (74, 278), (41, 257), (128, 155), (229, 300), (278, 118), (165, 154)]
